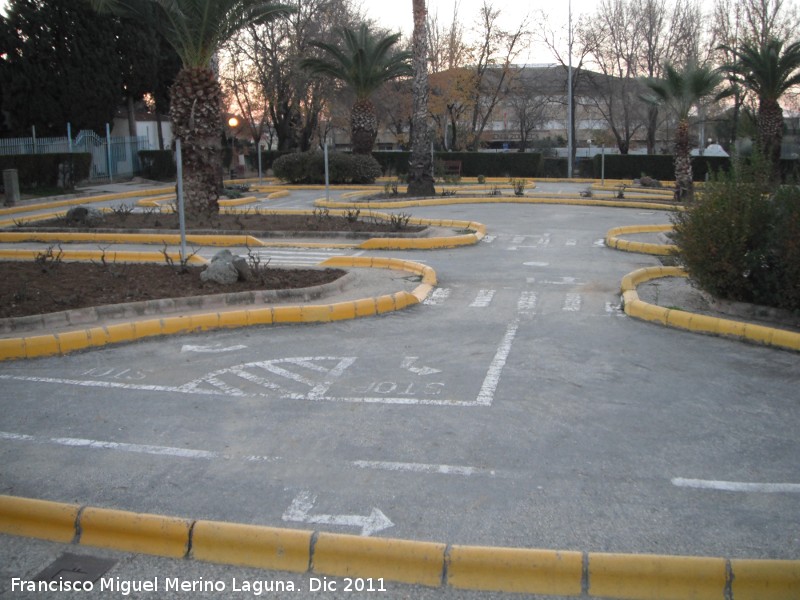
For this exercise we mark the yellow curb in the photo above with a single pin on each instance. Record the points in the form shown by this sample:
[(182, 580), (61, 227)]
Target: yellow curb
[(250, 546), (397, 560), (614, 241), (494, 200), (70, 341), (433, 564), (637, 308), (515, 570), (132, 532), (85, 200), (110, 256), (652, 577), (40, 519)]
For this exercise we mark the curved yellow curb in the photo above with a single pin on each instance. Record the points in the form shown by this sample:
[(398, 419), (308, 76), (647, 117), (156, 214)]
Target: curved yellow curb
[(85, 200), (70, 341), (614, 241), (680, 319), (473, 233), (433, 564), (492, 200)]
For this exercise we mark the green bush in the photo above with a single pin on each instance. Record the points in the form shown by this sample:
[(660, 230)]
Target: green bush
[(489, 164), (158, 164), (60, 169), (309, 167), (741, 240)]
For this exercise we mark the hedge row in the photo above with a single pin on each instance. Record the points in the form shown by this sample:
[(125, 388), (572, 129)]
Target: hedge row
[(489, 164), (61, 169), (158, 164), (309, 167)]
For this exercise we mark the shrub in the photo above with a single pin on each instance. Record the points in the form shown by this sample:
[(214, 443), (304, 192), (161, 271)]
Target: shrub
[(739, 241), (158, 164), (62, 169), (309, 167)]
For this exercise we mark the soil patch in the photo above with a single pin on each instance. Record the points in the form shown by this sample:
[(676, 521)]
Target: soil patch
[(318, 221), (33, 288)]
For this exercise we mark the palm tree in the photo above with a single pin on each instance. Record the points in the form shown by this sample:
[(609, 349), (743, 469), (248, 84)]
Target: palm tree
[(364, 65), (420, 180), (196, 29), (768, 70), (681, 91)]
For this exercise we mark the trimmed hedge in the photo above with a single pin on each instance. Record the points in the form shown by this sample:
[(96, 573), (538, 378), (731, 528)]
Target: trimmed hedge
[(309, 167), (158, 164), (60, 169), (489, 164), (268, 157)]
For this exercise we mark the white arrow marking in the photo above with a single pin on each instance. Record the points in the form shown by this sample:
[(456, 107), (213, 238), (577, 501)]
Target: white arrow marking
[(214, 349), (304, 502), (408, 361)]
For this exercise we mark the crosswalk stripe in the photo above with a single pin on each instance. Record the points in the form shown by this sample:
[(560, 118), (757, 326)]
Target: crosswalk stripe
[(483, 299)]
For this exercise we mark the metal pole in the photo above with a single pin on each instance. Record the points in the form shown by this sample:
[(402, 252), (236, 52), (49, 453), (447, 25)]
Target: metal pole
[(570, 141), (327, 180), (258, 148), (181, 212), (33, 133), (69, 136), (603, 166), (108, 151)]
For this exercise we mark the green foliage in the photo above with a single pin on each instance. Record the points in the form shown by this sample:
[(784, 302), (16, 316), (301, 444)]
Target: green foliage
[(157, 164), (741, 240), (48, 170), (57, 66), (309, 167), (657, 166), (488, 164)]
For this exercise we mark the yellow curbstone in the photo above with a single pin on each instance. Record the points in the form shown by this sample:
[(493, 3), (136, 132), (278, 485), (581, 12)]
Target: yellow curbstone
[(121, 332), (316, 313), (765, 579), (204, 322), (653, 577), (12, 348), (342, 311), (71, 341), (515, 570), (366, 307), (41, 345), (287, 314), (40, 519), (148, 328), (786, 339), (680, 319), (179, 324), (135, 532), (232, 319), (251, 546), (406, 561), (384, 304), (260, 316)]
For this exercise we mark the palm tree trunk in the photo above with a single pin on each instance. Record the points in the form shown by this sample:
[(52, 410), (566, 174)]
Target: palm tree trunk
[(195, 112), (684, 186), (420, 180), (770, 133), (363, 126)]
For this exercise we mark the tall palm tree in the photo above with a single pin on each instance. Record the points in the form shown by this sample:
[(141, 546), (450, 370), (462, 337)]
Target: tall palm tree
[(681, 90), (768, 70), (420, 176), (364, 65), (196, 29)]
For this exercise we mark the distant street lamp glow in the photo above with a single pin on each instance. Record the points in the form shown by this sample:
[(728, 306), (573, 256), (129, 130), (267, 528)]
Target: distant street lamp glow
[(233, 122)]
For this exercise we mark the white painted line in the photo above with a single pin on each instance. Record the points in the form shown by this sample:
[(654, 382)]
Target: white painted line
[(601, 243), (536, 264), (133, 448), (518, 239), (488, 239), (572, 303), (571, 243), (737, 486), (408, 363), (184, 389), (437, 297), (527, 303), (420, 468), (492, 379), (214, 348), (563, 281), (615, 310), (483, 299)]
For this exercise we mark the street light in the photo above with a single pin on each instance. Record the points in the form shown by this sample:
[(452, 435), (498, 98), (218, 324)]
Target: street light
[(233, 123)]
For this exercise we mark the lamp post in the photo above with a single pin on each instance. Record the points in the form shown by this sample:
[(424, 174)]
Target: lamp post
[(233, 123)]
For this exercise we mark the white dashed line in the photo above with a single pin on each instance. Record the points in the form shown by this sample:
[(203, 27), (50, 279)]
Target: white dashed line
[(483, 299), (572, 303)]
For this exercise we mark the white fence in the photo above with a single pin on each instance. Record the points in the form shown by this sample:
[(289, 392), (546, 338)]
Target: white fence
[(119, 159)]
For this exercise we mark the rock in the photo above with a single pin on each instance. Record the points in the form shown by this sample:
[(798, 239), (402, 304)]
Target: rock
[(81, 215), (649, 182), (225, 269)]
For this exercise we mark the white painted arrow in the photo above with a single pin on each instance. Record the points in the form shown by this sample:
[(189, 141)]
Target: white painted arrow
[(211, 349), (408, 363), (304, 501)]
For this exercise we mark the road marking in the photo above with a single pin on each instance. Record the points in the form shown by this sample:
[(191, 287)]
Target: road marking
[(408, 363), (536, 264), (615, 310), (420, 468), (437, 297), (133, 448), (215, 348), (572, 303), (492, 379), (488, 239), (571, 243), (527, 303), (601, 243), (562, 281), (302, 504), (737, 486), (483, 299)]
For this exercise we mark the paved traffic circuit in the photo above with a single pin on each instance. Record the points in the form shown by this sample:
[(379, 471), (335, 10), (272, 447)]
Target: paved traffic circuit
[(517, 407)]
